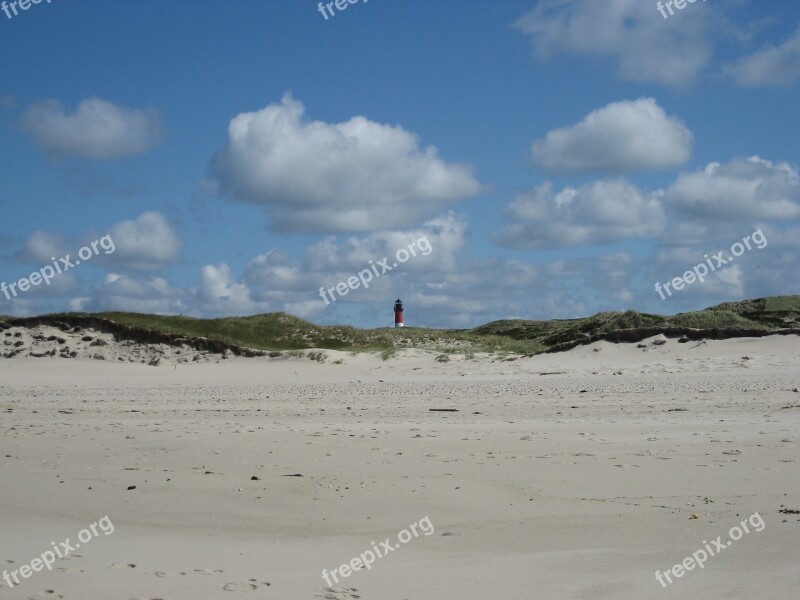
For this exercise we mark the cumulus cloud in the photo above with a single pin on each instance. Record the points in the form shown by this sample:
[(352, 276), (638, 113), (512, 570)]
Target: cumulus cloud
[(446, 235), (97, 130), (41, 246), (463, 291), (770, 66), (630, 32), (472, 291), (221, 293), (125, 293), (357, 175), (288, 282), (621, 136), (277, 281), (467, 295), (744, 188), (598, 212), (726, 283), (274, 281), (146, 242), (275, 273)]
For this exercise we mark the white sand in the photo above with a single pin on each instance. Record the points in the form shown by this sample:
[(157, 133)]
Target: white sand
[(574, 485)]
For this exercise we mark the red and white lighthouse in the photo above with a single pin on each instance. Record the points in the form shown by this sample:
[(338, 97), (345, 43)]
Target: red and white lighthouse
[(398, 313)]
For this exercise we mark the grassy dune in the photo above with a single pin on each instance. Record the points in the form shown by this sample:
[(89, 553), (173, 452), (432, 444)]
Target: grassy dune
[(762, 314), (279, 331)]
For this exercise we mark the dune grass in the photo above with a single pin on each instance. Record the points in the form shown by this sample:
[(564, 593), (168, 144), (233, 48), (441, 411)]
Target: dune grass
[(280, 331)]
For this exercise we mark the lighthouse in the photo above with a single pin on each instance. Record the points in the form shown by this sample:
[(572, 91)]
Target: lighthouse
[(398, 313)]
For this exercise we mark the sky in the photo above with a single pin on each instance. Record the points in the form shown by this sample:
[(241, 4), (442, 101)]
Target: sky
[(480, 160)]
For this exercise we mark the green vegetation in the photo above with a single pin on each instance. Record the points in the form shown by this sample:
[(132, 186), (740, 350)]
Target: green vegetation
[(762, 314), (281, 332), (388, 353)]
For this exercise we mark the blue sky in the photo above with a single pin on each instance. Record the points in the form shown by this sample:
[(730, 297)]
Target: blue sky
[(560, 156)]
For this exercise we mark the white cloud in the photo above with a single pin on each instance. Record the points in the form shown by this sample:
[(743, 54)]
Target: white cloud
[(767, 263), (751, 188), (726, 283), (146, 242), (445, 234), (646, 47), (121, 292), (284, 281), (599, 212), (276, 273), (770, 66), (220, 293), (97, 130), (276, 281), (41, 246), (621, 136), (352, 176)]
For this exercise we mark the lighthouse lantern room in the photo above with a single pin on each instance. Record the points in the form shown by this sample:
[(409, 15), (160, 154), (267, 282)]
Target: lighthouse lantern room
[(398, 313)]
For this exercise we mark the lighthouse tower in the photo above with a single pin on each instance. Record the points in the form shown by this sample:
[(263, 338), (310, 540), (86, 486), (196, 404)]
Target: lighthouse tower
[(398, 313)]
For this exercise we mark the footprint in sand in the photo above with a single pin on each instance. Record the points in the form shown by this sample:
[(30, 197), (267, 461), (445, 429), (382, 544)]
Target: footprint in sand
[(251, 586), (168, 574), (334, 593), (209, 571), (122, 565), (45, 594)]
